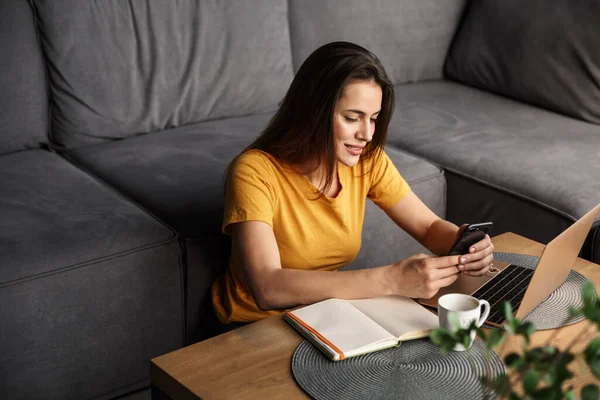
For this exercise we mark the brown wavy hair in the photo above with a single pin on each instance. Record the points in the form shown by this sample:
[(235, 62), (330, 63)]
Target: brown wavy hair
[(301, 131)]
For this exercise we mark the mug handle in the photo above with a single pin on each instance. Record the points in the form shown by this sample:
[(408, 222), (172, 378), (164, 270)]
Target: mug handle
[(485, 313)]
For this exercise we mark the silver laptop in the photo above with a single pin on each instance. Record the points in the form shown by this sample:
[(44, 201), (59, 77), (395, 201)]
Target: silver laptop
[(524, 288)]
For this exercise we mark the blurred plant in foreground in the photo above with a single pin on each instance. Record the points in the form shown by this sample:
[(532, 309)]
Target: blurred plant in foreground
[(539, 372)]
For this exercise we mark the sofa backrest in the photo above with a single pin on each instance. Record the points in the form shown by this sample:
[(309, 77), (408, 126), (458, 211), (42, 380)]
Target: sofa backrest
[(543, 53), (124, 68), (411, 37), (23, 96), (121, 68)]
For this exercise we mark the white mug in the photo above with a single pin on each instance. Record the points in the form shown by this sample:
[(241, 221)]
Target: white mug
[(467, 309)]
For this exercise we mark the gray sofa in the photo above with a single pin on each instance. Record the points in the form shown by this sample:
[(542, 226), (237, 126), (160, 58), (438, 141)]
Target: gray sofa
[(117, 120)]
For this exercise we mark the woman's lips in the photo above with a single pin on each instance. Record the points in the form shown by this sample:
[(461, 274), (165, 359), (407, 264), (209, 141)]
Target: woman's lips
[(355, 151)]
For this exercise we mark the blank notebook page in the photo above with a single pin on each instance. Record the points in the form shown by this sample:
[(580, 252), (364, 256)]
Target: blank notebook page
[(343, 325), (401, 316)]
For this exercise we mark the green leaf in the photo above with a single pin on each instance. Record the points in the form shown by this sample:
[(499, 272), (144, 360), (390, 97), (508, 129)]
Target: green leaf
[(512, 324), (502, 385), (559, 369), (526, 329), (591, 354), (443, 338), (595, 367), (575, 312), (548, 393), (549, 379), (494, 338), (593, 347), (514, 361), (588, 293), (541, 357), (453, 319), (436, 335), (531, 380), (592, 313), (507, 311), (481, 334), (566, 358), (590, 392), (570, 394)]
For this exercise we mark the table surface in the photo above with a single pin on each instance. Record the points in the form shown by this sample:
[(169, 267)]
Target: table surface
[(255, 361)]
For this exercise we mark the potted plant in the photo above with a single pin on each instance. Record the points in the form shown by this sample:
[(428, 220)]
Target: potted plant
[(539, 372)]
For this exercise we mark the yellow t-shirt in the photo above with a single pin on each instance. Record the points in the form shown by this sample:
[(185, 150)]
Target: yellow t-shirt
[(322, 234)]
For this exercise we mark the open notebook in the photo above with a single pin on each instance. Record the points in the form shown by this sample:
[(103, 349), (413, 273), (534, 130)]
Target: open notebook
[(348, 328)]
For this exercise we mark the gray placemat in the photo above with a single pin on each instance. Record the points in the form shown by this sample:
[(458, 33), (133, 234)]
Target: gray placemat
[(414, 370), (554, 311)]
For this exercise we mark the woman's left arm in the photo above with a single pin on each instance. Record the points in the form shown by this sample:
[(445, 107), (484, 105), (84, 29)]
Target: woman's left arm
[(438, 235)]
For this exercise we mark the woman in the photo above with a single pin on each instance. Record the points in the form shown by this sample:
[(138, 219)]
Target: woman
[(294, 199)]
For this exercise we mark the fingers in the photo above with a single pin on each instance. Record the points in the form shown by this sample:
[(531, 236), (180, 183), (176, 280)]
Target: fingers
[(476, 263), (434, 287), (447, 281), (480, 257), (444, 262), (480, 272), (434, 268), (426, 274)]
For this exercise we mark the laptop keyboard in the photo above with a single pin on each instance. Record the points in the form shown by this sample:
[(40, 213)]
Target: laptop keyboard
[(509, 285)]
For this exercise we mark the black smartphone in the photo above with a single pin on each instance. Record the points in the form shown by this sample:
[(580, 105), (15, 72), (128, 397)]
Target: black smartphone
[(471, 235)]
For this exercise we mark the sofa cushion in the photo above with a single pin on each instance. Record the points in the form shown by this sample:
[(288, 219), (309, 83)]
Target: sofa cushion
[(547, 55), (121, 68), (23, 96), (55, 216), (90, 332), (544, 160), (178, 175), (91, 285), (411, 37)]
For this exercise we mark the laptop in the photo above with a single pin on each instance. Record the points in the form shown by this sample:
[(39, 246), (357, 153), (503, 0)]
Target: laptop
[(523, 287)]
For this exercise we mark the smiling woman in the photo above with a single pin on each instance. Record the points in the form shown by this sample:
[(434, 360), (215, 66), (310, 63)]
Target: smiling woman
[(295, 198)]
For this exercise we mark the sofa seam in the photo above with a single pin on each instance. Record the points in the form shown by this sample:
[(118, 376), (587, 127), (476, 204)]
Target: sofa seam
[(87, 263), (445, 195), (289, 29), (107, 141), (424, 178), (461, 21), (183, 282), (36, 23), (145, 382), (119, 193)]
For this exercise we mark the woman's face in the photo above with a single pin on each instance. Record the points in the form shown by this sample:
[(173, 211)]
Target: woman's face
[(354, 119)]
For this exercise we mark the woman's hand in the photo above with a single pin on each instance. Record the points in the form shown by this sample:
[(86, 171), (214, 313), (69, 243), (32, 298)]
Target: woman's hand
[(421, 276), (479, 259)]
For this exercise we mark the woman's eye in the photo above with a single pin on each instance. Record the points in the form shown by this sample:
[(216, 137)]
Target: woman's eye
[(351, 119), (373, 120)]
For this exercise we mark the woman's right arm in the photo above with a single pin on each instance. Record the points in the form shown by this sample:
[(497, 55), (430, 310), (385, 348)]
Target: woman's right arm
[(274, 287)]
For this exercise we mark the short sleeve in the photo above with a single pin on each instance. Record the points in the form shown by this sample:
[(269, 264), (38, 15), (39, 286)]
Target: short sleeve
[(387, 185), (249, 194)]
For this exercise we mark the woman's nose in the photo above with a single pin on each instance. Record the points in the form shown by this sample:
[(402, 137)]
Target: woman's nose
[(366, 131)]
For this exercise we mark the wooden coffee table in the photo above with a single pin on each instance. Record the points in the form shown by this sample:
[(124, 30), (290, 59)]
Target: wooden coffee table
[(254, 362)]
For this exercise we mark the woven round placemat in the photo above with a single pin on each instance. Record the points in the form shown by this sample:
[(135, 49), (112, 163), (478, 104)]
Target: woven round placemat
[(414, 370), (554, 311)]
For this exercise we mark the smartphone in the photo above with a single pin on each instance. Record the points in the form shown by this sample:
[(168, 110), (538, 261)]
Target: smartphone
[(471, 235)]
